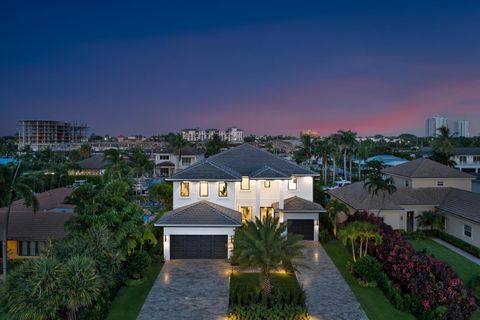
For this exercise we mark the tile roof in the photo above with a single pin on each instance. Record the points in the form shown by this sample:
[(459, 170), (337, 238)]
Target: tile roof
[(201, 213), (244, 160), (464, 151), (47, 223), (96, 161), (426, 168), (455, 201), (297, 204)]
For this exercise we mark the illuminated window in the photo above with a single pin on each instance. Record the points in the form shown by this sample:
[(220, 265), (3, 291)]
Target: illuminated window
[(245, 184), (203, 189), (246, 213), (266, 184), (184, 189), (292, 183), (222, 189), (266, 211)]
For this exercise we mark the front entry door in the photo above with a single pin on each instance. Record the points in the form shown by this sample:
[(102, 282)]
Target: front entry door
[(410, 217)]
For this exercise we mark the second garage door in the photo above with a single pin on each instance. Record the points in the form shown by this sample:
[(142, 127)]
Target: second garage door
[(301, 227), (198, 247)]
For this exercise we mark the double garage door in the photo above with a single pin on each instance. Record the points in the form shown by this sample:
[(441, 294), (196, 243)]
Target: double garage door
[(198, 247), (301, 227)]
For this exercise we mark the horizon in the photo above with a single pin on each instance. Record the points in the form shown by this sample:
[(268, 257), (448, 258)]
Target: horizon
[(269, 68)]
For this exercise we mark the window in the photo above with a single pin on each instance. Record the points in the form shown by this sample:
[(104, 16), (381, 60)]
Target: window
[(30, 248), (186, 161), (266, 184), (439, 183), (222, 189), (292, 183), (245, 184), (164, 172), (246, 213), (467, 230), (184, 189), (463, 159), (203, 189), (476, 159), (266, 211), (406, 183), (163, 157)]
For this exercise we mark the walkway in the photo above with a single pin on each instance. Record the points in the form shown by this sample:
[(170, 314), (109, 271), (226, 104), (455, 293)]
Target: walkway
[(189, 289), (328, 295), (458, 250)]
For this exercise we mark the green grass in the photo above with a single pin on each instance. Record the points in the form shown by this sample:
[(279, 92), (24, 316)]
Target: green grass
[(373, 301), (466, 269), (129, 300)]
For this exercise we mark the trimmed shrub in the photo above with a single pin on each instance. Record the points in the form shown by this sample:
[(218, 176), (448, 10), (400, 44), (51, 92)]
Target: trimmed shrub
[(465, 246), (367, 269), (262, 312), (245, 290), (137, 263), (324, 236)]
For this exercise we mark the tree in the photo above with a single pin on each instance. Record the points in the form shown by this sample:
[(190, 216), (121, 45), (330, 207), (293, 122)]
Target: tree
[(362, 232), (13, 185), (263, 244), (117, 166), (334, 208), (377, 184), (176, 143), (442, 147), (347, 141), (142, 164), (430, 220), (214, 146), (74, 155), (349, 234), (162, 193), (85, 151)]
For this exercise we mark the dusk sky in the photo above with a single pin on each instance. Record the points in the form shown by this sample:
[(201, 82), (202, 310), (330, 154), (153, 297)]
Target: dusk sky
[(267, 67)]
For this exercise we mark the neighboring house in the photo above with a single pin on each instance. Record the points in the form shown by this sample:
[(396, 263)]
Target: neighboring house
[(466, 159), (168, 162), (217, 194), (92, 166), (28, 231), (422, 185)]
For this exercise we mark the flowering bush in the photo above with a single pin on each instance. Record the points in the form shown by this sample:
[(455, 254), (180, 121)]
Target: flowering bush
[(433, 283)]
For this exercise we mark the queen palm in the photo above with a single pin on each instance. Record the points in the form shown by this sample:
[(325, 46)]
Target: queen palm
[(263, 244), (334, 208), (347, 140), (13, 185), (350, 234), (377, 184)]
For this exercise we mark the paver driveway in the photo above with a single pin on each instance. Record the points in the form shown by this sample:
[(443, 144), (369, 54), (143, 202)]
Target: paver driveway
[(328, 295), (189, 289)]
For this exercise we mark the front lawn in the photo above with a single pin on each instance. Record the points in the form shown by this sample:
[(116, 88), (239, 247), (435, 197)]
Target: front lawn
[(373, 301), (129, 300)]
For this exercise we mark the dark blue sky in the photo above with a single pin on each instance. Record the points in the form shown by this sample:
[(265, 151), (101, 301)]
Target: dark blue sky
[(269, 67)]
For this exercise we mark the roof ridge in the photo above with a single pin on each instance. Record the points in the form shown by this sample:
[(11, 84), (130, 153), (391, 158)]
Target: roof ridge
[(227, 170), (265, 168)]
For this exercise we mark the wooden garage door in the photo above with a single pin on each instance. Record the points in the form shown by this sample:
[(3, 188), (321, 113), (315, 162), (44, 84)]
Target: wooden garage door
[(302, 227), (198, 247)]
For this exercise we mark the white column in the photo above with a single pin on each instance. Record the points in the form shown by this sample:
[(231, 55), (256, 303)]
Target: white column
[(315, 230), (256, 210), (281, 187), (166, 246)]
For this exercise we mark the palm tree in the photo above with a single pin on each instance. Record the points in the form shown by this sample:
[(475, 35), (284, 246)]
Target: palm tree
[(334, 208), (442, 147), (263, 244), (430, 220), (142, 164), (13, 186), (347, 140), (350, 233), (370, 231), (376, 184), (117, 163), (176, 143), (362, 155)]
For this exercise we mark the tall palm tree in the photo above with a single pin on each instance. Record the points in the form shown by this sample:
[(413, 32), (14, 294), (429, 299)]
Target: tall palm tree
[(362, 155), (376, 184), (347, 141), (176, 143), (442, 147), (142, 164), (117, 163), (13, 185), (334, 208), (263, 244)]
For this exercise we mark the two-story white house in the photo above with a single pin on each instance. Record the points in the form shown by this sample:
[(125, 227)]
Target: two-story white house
[(217, 194), (168, 162)]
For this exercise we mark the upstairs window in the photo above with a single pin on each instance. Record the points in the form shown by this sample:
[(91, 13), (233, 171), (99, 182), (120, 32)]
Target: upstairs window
[(266, 184), (222, 189), (184, 189), (203, 189), (164, 157), (439, 183), (186, 161), (245, 184), (467, 230), (292, 183)]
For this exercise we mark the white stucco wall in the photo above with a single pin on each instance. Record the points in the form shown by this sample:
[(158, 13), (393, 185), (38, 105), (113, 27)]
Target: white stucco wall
[(168, 231), (464, 184), (454, 226)]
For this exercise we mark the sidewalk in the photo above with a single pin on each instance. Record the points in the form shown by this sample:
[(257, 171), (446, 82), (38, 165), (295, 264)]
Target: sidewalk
[(458, 251)]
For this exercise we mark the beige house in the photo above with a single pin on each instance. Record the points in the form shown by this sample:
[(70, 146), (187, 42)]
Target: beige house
[(422, 185)]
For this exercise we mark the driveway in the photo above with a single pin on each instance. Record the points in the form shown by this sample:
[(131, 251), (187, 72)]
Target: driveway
[(328, 295), (189, 289)]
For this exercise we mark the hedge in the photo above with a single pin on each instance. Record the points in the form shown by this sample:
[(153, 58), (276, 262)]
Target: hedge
[(465, 246), (262, 312)]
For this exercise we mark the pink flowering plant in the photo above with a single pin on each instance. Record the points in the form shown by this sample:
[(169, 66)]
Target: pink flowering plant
[(438, 289)]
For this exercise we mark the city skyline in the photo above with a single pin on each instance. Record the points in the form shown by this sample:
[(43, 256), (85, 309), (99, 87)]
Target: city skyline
[(267, 68)]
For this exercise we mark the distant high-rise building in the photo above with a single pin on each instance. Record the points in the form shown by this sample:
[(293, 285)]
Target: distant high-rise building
[(57, 135), (435, 123), (462, 128), (311, 133), (232, 135)]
